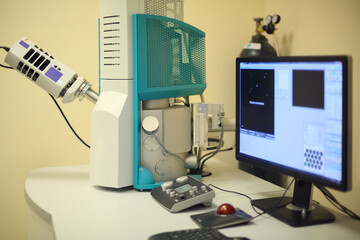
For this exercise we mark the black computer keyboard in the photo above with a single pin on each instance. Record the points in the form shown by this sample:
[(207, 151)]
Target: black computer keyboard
[(193, 234)]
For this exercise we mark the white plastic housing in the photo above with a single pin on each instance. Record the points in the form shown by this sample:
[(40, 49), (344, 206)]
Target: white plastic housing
[(40, 67), (200, 124), (111, 153), (111, 157)]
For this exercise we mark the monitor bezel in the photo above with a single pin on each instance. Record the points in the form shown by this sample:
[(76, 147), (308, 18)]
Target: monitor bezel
[(345, 183)]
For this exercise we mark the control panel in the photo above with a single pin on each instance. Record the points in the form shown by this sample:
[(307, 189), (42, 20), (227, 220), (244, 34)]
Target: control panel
[(182, 193)]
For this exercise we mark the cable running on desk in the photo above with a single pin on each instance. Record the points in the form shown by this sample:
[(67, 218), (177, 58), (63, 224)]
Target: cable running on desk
[(277, 205)]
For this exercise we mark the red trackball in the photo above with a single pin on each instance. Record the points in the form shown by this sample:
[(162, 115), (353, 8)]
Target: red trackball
[(226, 209)]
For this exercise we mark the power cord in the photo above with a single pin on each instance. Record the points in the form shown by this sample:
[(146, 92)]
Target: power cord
[(207, 156), (68, 123), (7, 50), (331, 198), (8, 67)]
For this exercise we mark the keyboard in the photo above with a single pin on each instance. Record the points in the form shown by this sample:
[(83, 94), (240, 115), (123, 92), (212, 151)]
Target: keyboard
[(194, 234)]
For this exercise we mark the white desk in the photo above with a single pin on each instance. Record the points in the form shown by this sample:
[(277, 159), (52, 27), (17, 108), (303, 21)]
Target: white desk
[(64, 206)]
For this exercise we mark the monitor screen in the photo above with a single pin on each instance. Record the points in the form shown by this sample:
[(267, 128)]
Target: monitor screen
[(293, 116)]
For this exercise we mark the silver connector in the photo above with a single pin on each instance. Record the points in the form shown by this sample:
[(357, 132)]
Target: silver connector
[(91, 95), (86, 91)]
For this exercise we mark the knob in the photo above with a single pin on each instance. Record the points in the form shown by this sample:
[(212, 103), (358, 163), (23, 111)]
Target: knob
[(166, 185), (172, 194), (150, 125), (182, 179)]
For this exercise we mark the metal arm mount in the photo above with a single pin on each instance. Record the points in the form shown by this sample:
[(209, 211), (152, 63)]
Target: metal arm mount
[(86, 91)]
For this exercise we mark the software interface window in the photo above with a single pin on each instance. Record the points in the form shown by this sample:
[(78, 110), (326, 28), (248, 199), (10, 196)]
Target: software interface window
[(293, 109)]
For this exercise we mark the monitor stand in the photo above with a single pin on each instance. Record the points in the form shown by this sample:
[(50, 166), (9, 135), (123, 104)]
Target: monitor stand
[(298, 210)]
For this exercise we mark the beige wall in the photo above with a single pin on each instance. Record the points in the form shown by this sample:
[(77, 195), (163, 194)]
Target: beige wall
[(34, 135)]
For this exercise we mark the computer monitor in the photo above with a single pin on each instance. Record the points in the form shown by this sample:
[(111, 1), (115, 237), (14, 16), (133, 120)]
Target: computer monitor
[(293, 116)]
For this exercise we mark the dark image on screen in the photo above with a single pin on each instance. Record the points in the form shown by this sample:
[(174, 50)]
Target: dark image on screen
[(308, 88), (257, 100)]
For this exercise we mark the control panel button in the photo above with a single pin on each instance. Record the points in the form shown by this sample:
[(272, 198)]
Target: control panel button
[(172, 194), (203, 187), (182, 179), (166, 185), (195, 188)]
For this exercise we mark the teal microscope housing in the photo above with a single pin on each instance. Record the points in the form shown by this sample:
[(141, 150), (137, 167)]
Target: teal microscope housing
[(169, 62)]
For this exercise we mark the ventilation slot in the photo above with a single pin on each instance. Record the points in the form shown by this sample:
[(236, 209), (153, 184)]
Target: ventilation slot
[(39, 61), (35, 58), (44, 65), (167, 8), (111, 40), (28, 54), (26, 70)]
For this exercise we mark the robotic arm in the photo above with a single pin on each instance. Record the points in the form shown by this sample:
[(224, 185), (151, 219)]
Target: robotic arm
[(48, 73)]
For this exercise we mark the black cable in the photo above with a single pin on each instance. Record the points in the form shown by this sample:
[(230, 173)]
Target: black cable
[(8, 67), (221, 150), (214, 147), (62, 113), (210, 155), (234, 192), (277, 205), (6, 49), (331, 198)]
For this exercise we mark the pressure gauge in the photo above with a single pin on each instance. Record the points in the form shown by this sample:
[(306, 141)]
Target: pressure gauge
[(268, 19), (275, 19)]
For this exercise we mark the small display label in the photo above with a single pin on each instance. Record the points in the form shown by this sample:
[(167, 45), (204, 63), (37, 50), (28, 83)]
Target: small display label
[(183, 188), (53, 74), (24, 44)]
